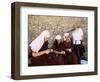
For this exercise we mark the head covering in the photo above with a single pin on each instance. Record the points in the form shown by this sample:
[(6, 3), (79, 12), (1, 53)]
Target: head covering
[(39, 41), (58, 37), (65, 35)]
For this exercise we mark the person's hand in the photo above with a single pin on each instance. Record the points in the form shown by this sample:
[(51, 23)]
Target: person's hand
[(70, 50), (51, 50), (47, 51), (62, 52)]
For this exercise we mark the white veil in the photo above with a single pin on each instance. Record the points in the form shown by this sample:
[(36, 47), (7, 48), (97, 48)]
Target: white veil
[(39, 41), (66, 34)]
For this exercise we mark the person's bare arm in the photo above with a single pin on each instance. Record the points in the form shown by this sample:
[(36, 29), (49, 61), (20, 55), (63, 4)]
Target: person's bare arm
[(36, 54)]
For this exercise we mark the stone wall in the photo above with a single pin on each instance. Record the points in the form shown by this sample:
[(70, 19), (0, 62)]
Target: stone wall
[(55, 25)]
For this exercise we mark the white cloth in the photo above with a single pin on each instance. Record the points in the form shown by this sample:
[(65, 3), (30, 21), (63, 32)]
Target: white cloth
[(39, 41), (65, 35), (58, 37), (84, 62), (77, 36)]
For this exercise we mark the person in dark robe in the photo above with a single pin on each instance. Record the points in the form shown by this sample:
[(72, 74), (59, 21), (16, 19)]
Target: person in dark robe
[(38, 50), (70, 56), (57, 51)]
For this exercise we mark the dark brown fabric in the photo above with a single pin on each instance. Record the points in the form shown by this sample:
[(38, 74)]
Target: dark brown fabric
[(58, 57), (57, 46), (69, 57)]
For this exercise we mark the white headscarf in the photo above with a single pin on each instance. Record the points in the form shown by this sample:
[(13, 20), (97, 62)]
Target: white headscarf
[(39, 41), (66, 34), (58, 37)]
